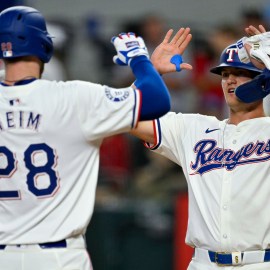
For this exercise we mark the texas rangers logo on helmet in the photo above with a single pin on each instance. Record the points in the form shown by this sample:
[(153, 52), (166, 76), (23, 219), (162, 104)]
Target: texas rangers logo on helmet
[(231, 52)]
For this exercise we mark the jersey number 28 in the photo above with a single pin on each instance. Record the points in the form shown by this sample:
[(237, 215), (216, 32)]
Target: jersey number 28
[(34, 171)]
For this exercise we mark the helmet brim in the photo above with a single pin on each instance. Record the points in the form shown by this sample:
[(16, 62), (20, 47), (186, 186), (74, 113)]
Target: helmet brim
[(218, 69)]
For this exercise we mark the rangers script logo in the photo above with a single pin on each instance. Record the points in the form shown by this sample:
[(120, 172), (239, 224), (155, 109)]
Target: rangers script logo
[(210, 157)]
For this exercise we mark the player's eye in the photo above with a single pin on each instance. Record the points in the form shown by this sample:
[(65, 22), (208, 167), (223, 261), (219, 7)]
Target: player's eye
[(243, 73), (225, 74)]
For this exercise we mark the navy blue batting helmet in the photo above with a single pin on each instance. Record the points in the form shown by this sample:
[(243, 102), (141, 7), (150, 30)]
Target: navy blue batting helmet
[(23, 32), (229, 58)]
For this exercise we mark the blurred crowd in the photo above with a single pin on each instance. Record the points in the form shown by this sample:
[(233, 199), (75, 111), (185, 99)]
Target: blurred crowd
[(127, 169)]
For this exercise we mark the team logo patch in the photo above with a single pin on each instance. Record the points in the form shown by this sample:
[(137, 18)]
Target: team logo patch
[(132, 43), (7, 54), (116, 94), (6, 48)]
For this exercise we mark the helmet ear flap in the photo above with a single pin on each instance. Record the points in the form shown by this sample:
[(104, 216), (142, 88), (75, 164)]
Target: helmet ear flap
[(230, 58), (47, 48), (25, 28)]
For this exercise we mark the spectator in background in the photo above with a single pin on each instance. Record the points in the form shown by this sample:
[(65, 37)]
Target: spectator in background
[(207, 52), (266, 15), (152, 29), (94, 24), (57, 68), (252, 16)]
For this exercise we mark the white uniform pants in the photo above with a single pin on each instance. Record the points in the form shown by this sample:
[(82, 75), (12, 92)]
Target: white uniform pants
[(33, 257), (201, 261)]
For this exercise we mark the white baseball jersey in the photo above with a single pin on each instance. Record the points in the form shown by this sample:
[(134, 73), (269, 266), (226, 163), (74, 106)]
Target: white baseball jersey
[(49, 154), (227, 168)]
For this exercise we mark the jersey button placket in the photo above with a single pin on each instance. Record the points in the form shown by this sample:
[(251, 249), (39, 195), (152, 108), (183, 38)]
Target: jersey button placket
[(225, 210), (236, 136), (224, 203)]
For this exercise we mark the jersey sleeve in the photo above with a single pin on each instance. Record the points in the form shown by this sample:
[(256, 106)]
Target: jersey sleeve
[(174, 133), (168, 137), (104, 111)]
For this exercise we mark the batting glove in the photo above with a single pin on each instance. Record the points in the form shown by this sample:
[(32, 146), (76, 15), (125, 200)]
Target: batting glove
[(260, 48), (128, 46), (242, 53)]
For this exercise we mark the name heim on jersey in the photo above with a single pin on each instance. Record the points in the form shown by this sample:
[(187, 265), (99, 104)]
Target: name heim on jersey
[(19, 119)]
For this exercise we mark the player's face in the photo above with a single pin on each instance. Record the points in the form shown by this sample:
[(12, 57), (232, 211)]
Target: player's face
[(232, 78)]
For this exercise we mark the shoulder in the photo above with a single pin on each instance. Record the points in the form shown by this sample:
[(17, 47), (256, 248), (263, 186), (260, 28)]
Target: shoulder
[(187, 125), (190, 117), (75, 84), (68, 89)]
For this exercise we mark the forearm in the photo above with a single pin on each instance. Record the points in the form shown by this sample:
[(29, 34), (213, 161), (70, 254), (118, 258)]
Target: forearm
[(144, 131), (155, 95)]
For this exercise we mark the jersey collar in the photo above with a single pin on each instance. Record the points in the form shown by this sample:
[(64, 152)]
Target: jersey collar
[(22, 82)]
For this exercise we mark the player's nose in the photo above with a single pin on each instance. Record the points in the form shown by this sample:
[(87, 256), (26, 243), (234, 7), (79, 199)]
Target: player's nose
[(231, 78)]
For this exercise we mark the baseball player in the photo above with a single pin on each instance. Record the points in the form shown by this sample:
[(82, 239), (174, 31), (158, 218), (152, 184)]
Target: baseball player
[(51, 133), (226, 164)]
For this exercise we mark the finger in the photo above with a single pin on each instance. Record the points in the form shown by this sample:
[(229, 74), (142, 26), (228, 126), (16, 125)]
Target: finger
[(167, 36), (183, 37), (185, 43), (122, 35), (131, 34), (247, 31), (247, 47), (184, 40), (253, 30), (177, 35), (262, 29)]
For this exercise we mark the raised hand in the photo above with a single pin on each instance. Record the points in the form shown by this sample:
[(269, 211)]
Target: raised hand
[(258, 46), (170, 47), (128, 46), (252, 30)]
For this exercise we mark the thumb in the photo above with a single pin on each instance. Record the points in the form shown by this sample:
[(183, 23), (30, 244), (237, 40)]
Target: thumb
[(186, 66), (117, 61)]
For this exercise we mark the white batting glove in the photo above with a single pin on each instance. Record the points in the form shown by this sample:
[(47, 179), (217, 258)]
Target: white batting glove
[(260, 48), (128, 46), (242, 53)]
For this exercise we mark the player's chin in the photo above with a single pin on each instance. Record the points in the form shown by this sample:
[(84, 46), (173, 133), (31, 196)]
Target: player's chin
[(233, 101), (231, 97)]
